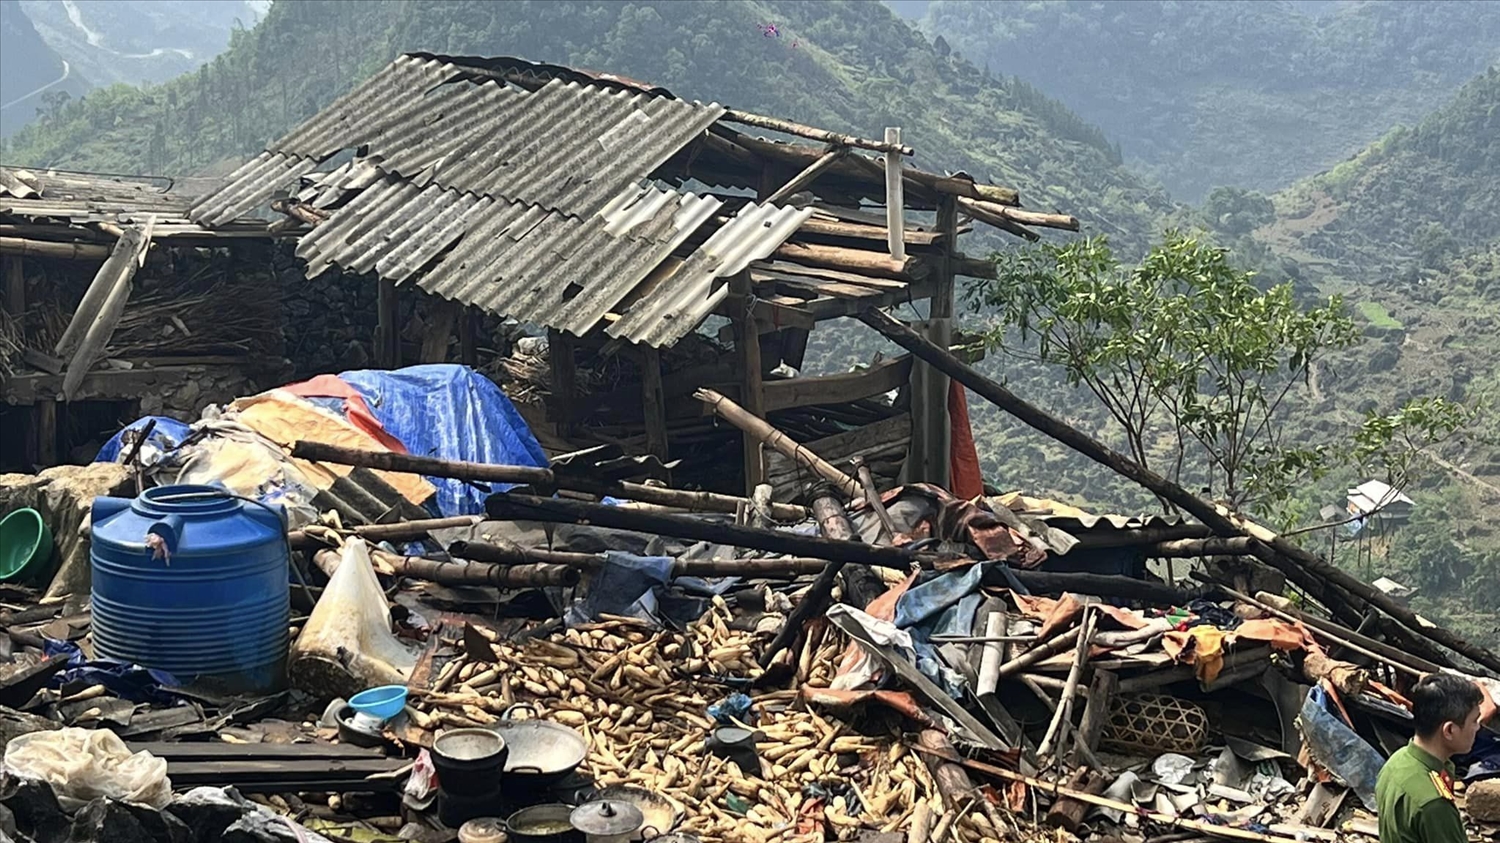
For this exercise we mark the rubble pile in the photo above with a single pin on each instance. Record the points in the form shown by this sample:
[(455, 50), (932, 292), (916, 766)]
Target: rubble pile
[(561, 645)]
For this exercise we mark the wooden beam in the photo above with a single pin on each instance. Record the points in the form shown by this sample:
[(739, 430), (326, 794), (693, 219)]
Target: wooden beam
[(986, 211), (468, 328), (838, 389), (794, 347), (560, 356), (861, 261), (973, 267), (771, 317), (761, 431), (44, 249), (15, 286), (121, 254), (387, 331), (653, 402), (439, 331), (775, 124), (46, 433), (895, 199), (752, 396), (810, 172)]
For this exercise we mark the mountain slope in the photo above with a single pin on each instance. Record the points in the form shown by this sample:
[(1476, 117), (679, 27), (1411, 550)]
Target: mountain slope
[(1251, 94), (849, 65), (138, 41), (29, 70)]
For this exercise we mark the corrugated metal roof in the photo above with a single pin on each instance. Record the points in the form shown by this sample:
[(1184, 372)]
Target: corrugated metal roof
[(686, 295), (567, 146)]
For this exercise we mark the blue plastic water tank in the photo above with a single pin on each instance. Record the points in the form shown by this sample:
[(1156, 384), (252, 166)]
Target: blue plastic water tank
[(211, 607)]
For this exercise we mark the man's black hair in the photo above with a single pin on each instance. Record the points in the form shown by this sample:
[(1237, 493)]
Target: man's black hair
[(1440, 698)]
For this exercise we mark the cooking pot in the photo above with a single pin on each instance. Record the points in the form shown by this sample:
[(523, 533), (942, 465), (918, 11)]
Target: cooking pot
[(469, 761), (542, 824), (541, 753), (659, 814), (607, 821)]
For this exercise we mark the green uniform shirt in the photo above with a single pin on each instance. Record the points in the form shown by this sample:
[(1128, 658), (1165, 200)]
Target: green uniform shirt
[(1415, 801)]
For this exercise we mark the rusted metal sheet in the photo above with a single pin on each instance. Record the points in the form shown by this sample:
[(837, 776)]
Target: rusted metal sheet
[(687, 295)]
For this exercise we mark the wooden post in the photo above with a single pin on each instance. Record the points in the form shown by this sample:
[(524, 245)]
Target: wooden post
[(15, 287), (439, 331), (794, 346), (895, 198), (46, 432), (560, 354), (468, 327), (387, 332), (653, 402), (1096, 712), (752, 396)]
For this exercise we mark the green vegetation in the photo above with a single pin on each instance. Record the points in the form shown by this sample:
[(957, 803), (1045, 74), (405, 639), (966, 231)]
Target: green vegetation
[(1248, 93), (1378, 316)]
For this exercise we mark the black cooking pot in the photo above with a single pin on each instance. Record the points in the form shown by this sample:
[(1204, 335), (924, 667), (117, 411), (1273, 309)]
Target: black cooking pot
[(543, 824), (541, 754), (469, 761)]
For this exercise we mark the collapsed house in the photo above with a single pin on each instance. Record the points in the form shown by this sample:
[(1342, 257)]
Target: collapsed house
[(559, 634), (622, 219)]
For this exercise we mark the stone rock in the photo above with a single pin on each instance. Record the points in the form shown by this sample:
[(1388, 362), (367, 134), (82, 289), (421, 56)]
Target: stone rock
[(108, 821), (187, 396), (208, 811), (1482, 802), (64, 495), (34, 808), (14, 724)]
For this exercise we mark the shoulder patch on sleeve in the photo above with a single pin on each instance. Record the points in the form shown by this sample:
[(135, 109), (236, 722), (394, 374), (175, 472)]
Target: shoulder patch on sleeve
[(1443, 784)]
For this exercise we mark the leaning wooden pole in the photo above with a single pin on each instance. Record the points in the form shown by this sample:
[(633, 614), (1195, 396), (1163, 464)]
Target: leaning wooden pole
[(775, 439), (513, 507), (541, 478), (1301, 566)]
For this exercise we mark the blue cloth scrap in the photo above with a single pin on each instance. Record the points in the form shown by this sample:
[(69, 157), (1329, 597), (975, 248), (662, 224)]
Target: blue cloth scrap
[(617, 587), (167, 435), (937, 594), (122, 679), (1339, 747), (453, 413), (736, 706)]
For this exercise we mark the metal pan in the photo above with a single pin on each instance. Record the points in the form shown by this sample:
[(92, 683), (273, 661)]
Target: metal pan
[(541, 753)]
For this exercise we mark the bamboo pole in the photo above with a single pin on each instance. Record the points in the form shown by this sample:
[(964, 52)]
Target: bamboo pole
[(985, 211), (1065, 708), (463, 573), (1222, 831), (1040, 652), (541, 478), (872, 496), (780, 442), (396, 531), (810, 172), (776, 124), (46, 249), (511, 506), (1301, 566), (1193, 548)]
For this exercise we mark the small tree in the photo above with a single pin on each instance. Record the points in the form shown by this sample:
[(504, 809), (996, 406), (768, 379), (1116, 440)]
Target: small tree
[(1186, 349)]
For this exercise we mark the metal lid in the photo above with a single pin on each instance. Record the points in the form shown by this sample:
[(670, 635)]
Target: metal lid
[(606, 817)]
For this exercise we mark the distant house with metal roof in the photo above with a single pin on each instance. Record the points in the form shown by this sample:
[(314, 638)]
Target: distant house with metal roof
[(1377, 501), (617, 215)]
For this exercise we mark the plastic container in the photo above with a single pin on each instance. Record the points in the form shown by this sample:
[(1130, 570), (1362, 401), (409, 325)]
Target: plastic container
[(380, 704), (193, 581), (25, 547)]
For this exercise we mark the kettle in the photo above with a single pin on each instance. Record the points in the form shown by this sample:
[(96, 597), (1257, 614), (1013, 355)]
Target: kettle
[(607, 821)]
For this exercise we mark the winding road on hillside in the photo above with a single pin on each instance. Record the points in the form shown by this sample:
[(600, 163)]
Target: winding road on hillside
[(67, 69)]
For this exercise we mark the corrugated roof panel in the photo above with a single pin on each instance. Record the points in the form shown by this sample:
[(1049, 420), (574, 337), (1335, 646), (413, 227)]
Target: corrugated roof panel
[(249, 186), (370, 108), (687, 297)]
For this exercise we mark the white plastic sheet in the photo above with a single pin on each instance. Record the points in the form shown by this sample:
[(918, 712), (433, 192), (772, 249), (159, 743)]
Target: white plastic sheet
[(85, 764), (350, 628)]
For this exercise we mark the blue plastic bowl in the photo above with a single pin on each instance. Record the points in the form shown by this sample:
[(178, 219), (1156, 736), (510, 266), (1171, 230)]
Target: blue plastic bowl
[(384, 702)]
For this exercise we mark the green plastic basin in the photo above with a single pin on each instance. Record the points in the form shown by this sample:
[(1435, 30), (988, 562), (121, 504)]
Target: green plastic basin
[(25, 546)]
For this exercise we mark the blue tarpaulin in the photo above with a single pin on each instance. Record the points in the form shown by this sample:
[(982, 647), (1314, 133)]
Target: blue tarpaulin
[(167, 434), (453, 413)]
